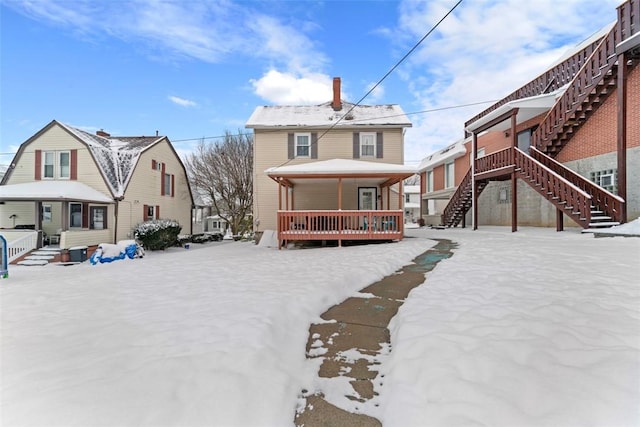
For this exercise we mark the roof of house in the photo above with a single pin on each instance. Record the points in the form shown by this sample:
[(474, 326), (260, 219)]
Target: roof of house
[(444, 155), (323, 115), (340, 167), (411, 189), (116, 157)]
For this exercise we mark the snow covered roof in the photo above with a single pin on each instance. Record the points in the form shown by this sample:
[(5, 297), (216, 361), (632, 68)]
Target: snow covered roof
[(116, 157), (453, 151), (340, 167), (323, 115), (411, 189), (343, 168), (528, 108), (58, 190)]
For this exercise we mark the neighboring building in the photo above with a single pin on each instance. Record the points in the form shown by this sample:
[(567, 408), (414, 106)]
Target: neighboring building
[(565, 144), (85, 189), (411, 203), (325, 172)]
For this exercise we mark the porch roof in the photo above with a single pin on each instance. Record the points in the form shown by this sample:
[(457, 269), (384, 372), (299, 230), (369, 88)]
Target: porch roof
[(527, 109), (52, 191), (387, 173)]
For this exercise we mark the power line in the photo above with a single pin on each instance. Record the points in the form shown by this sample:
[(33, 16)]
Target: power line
[(397, 64)]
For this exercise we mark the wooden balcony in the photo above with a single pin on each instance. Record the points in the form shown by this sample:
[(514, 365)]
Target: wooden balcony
[(340, 225)]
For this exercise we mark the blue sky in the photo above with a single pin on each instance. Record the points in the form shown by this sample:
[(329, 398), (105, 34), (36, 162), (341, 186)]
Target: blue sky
[(194, 69)]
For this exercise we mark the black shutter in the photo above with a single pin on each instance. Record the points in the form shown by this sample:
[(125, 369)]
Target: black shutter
[(379, 146), (356, 145), (314, 145), (291, 146)]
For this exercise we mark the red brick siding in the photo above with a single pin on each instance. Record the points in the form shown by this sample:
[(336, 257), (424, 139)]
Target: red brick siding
[(599, 134)]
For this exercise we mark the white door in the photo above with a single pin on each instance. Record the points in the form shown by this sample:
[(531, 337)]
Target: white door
[(367, 198)]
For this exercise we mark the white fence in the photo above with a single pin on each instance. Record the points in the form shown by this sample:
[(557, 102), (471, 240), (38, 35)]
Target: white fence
[(19, 242)]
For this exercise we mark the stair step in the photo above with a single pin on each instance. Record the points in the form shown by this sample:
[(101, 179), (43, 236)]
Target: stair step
[(38, 262), (45, 253), (603, 224), (39, 257)]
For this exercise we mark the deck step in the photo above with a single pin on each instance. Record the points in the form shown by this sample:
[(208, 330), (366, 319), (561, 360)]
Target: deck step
[(38, 262), (36, 257), (603, 224)]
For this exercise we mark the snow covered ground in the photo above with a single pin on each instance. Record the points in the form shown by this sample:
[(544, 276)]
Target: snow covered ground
[(531, 328)]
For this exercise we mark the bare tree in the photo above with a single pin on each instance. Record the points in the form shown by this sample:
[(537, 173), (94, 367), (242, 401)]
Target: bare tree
[(223, 172), (412, 180)]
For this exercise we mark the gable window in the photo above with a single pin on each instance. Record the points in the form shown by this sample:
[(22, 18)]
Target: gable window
[(64, 162), (449, 175), (56, 164), (48, 164), (75, 215), (430, 181), (367, 144), (303, 144), (168, 184)]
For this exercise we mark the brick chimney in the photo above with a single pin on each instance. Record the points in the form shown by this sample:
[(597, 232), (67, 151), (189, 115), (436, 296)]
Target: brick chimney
[(337, 102), (102, 133)]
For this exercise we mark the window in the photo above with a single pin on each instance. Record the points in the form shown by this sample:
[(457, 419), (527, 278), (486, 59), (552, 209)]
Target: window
[(367, 144), (167, 184), (606, 179), (151, 212), (429, 181), (449, 175), (48, 165), (98, 218), (407, 198), (75, 215), (46, 213), (524, 140), (64, 161), (303, 145), (56, 164)]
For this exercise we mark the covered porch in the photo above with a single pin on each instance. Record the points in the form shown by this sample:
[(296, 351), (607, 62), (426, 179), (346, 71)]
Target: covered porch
[(339, 200)]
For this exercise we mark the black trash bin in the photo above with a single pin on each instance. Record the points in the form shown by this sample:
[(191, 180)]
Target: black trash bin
[(78, 254)]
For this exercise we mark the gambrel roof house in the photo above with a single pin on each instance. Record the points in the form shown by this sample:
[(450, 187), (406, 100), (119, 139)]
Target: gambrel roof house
[(566, 144), (86, 189), (325, 172)]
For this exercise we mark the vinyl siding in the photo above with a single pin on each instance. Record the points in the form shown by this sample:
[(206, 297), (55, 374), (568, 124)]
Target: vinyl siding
[(145, 189), (270, 150)]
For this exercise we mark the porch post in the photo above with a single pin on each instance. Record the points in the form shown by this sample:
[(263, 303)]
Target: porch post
[(388, 197), (622, 132), (474, 196), (401, 196), (514, 175), (286, 198), (339, 193), (280, 194), (65, 216), (559, 220)]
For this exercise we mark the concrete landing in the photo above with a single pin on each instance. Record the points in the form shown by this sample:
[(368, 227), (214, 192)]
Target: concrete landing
[(352, 343)]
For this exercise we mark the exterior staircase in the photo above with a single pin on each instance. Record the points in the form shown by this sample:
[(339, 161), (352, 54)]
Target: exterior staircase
[(590, 75), (41, 257)]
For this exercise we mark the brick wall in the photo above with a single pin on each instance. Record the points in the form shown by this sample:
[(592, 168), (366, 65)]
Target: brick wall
[(599, 134)]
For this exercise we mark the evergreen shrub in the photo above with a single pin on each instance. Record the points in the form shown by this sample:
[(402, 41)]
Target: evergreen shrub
[(158, 234)]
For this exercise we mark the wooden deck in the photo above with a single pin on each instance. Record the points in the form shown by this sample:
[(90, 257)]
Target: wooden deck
[(340, 225)]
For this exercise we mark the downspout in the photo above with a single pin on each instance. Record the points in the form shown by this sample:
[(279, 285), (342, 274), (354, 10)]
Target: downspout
[(474, 204)]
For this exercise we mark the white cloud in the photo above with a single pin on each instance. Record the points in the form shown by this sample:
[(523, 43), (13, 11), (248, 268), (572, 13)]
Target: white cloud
[(483, 51), (290, 89), (181, 101)]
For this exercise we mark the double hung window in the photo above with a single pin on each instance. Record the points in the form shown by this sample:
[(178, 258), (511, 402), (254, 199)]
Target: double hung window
[(367, 144), (303, 144)]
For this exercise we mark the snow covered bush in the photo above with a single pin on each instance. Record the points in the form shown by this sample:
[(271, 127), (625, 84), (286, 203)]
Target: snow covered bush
[(158, 234)]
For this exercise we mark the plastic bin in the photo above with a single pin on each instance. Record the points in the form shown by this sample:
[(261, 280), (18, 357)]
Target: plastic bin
[(78, 254)]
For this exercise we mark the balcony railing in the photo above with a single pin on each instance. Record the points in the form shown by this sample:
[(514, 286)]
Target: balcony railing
[(340, 225)]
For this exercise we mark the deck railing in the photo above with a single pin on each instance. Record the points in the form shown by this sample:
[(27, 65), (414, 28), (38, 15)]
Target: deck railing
[(340, 225), (17, 247)]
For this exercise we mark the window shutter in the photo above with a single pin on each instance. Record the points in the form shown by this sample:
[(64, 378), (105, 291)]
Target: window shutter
[(314, 145), (85, 215), (145, 211), (356, 145), (173, 185), (291, 146), (157, 212), (379, 145), (74, 165), (162, 190), (154, 165), (38, 171), (104, 217)]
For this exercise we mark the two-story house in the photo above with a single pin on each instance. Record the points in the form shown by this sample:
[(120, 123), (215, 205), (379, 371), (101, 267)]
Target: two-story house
[(566, 144), (325, 172), (86, 189)]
